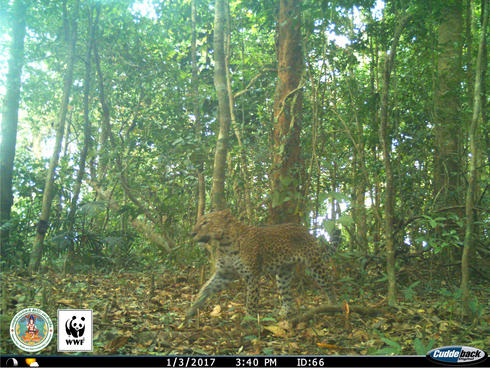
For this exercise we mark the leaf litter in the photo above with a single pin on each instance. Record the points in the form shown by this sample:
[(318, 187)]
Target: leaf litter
[(129, 320)]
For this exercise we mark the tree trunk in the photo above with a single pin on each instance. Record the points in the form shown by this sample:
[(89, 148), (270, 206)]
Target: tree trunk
[(201, 190), (42, 226), (475, 152), (449, 127), (86, 138), (243, 158), (359, 195), (105, 129), (218, 201), (287, 116), (10, 117), (86, 126), (385, 141)]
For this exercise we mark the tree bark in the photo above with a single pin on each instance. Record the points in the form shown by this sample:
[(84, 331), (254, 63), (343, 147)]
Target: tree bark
[(105, 129), (10, 117), (448, 128), (243, 158), (42, 226), (86, 126), (287, 116), (473, 167), (385, 141), (201, 190), (218, 201), (359, 194), (87, 136)]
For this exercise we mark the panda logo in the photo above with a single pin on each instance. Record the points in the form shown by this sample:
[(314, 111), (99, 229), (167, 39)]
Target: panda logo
[(75, 327)]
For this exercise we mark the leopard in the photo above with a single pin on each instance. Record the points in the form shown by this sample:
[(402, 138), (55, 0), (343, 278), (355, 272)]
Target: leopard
[(250, 252)]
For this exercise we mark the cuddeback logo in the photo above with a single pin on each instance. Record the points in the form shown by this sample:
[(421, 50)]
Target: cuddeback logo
[(457, 355)]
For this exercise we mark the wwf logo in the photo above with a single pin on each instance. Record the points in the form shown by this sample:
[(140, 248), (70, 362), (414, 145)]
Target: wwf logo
[(75, 330), (75, 326)]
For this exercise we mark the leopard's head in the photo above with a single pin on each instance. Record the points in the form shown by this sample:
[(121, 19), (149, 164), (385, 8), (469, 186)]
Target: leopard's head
[(211, 226)]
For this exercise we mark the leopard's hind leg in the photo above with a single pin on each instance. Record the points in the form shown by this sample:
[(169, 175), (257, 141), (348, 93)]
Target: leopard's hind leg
[(319, 270), (284, 276)]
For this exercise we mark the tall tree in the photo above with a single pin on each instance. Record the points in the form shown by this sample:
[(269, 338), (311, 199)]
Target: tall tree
[(287, 122), (234, 125), (386, 143), (201, 190), (218, 189), (105, 123), (43, 224), (447, 108), (10, 117), (87, 136), (475, 153)]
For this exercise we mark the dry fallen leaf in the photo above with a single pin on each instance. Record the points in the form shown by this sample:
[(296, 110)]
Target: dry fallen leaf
[(328, 346), (301, 326), (276, 330), (67, 302), (286, 325), (346, 309), (216, 311), (117, 343), (293, 345)]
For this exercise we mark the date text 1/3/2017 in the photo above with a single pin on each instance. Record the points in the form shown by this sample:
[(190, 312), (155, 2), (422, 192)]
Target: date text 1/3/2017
[(190, 362)]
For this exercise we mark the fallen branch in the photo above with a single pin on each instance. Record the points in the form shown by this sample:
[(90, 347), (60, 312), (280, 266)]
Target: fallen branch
[(329, 308), (155, 236)]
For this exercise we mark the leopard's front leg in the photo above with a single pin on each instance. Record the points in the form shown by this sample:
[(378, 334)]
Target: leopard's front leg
[(252, 301), (246, 271), (219, 281)]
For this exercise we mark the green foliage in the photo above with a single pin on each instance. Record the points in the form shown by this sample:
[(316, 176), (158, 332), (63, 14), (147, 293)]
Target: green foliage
[(440, 232), (393, 348), (421, 348), (409, 291)]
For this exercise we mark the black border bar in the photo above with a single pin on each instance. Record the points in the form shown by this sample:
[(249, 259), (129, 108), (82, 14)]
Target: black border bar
[(246, 361)]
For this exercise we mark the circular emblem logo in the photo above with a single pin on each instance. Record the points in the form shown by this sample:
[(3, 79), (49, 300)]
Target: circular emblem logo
[(31, 329)]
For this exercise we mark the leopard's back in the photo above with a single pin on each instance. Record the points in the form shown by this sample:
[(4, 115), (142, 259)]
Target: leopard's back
[(276, 244)]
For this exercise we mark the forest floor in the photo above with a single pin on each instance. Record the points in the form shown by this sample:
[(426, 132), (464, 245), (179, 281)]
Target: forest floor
[(143, 313)]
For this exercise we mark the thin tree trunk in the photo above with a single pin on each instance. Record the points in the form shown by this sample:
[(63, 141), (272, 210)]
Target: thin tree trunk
[(10, 117), (86, 126), (469, 51), (243, 158), (105, 130), (42, 226), (287, 116), (218, 201), (385, 140), (86, 137), (159, 238), (201, 190), (475, 152)]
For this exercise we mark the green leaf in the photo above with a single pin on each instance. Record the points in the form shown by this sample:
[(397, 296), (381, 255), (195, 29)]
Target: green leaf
[(269, 319), (249, 318), (346, 220), (392, 343), (419, 347)]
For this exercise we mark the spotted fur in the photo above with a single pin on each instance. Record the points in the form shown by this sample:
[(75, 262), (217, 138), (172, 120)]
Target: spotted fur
[(252, 251)]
